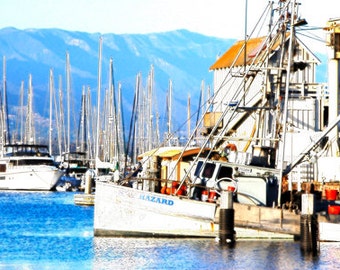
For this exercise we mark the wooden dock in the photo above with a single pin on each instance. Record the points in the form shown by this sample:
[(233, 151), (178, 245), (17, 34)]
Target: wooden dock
[(266, 219), (84, 199)]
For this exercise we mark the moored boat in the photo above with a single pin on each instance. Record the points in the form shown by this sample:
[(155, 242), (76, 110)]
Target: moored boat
[(28, 167)]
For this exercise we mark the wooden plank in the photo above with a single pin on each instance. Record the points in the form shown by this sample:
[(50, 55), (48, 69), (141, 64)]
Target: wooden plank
[(84, 199), (267, 219)]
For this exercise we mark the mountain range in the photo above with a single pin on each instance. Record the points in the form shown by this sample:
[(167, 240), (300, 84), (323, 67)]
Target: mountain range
[(181, 56)]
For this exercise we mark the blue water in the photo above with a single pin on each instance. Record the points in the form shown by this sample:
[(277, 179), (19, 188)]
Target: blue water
[(46, 230)]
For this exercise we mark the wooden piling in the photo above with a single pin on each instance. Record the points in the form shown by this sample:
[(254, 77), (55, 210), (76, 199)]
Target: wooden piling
[(309, 227)]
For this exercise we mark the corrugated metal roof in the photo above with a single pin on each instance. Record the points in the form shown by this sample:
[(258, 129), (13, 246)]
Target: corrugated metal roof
[(228, 58), (253, 47), (170, 152)]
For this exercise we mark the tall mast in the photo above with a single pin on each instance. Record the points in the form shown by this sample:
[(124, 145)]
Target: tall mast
[(4, 104), (113, 124), (68, 90), (22, 111), (58, 117), (30, 137), (89, 125), (169, 112), (62, 118), (98, 96), (82, 125), (149, 104), (120, 125), (51, 86)]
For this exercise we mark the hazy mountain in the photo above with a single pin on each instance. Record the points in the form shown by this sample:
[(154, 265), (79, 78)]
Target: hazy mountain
[(182, 56)]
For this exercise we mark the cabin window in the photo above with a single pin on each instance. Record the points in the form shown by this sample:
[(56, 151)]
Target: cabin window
[(27, 162), (225, 172), (208, 170), (2, 167), (198, 168)]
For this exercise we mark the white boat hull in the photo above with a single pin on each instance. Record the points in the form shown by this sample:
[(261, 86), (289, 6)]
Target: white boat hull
[(123, 211), (38, 177)]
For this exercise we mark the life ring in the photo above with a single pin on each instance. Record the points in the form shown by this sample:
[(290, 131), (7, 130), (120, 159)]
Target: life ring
[(227, 184)]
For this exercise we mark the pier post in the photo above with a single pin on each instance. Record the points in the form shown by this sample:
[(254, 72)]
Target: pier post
[(226, 222), (309, 227), (88, 182)]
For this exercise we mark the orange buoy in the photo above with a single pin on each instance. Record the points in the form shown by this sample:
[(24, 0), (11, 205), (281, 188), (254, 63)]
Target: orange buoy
[(212, 196), (204, 196)]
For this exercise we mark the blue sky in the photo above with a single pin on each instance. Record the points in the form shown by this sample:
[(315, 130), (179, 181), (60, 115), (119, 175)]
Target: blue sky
[(220, 18)]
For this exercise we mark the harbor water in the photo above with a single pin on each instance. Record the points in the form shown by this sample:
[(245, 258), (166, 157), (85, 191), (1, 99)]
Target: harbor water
[(46, 230)]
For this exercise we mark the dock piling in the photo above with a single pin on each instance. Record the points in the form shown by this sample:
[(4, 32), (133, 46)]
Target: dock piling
[(309, 227), (226, 223)]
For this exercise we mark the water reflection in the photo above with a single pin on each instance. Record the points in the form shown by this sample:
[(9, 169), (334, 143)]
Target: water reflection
[(48, 231), (133, 253)]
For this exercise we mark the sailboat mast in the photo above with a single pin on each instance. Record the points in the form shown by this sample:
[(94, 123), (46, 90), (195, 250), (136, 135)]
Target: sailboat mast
[(89, 125), (120, 125), (113, 130), (57, 117), (30, 137), (62, 117), (51, 95), (82, 124), (149, 103), (169, 112), (68, 90), (98, 96), (4, 104), (22, 111)]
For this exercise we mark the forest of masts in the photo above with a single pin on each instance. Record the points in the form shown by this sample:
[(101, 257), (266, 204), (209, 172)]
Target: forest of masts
[(100, 131)]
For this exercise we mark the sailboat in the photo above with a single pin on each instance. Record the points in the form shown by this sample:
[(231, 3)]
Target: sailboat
[(265, 128)]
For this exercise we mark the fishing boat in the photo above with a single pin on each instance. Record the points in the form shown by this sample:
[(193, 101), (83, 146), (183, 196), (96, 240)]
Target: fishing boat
[(28, 167), (267, 140)]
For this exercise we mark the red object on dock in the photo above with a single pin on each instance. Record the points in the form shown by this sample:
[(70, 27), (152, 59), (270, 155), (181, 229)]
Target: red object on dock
[(331, 194), (334, 209)]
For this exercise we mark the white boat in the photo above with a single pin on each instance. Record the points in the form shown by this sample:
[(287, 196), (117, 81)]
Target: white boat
[(28, 167), (266, 140)]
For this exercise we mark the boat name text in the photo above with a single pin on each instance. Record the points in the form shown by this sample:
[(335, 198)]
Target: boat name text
[(156, 199)]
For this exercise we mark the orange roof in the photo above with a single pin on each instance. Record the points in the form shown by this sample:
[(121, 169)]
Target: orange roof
[(170, 152), (237, 52), (228, 58)]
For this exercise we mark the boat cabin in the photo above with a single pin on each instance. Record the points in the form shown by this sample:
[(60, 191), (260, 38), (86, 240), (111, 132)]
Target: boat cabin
[(254, 185), (26, 150)]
